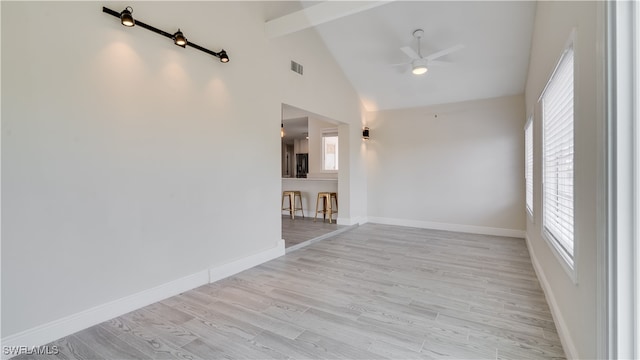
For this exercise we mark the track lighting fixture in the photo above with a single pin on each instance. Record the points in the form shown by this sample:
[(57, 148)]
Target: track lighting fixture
[(126, 19), (179, 39)]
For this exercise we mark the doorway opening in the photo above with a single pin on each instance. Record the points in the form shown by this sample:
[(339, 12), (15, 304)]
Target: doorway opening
[(310, 149)]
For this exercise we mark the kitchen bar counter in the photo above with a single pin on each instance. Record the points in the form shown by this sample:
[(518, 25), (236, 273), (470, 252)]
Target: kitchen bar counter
[(310, 187)]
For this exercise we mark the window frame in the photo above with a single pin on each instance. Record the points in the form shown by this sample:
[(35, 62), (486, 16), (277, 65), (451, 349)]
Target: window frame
[(621, 252), (330, 133), (528, 166), (566, 257)]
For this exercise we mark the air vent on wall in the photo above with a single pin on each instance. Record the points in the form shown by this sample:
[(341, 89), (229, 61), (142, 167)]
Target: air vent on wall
[(296, 67)]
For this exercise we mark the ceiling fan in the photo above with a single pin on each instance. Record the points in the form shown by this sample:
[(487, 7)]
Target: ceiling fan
[(418, 62)]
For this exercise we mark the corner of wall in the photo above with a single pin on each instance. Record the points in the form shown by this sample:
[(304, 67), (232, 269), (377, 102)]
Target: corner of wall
[(358, 220), (484, 230)]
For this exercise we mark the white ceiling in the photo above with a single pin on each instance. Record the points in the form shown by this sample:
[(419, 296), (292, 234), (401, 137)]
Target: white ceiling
[(497, 38), (296, 122), (297, 128)]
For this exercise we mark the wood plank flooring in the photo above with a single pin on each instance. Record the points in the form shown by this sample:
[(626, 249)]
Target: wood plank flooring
[(373, 292), (301, 229)]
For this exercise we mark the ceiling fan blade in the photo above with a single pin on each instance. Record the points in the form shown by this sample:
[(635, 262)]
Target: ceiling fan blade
[(439, 62), (444, 52), (400, 68), (410, 52)]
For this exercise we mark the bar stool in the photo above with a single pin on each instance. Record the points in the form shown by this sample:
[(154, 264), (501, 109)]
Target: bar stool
[(327, 208), (293, 195)]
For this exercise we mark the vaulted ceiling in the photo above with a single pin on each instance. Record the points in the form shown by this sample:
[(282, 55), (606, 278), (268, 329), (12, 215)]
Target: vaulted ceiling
[(365, 39)]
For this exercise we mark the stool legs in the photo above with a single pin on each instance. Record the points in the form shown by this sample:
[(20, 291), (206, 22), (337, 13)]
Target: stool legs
[(292, 202), (299, 196), (330, 208), (285, 194), (317, 202), (325, 209), (327, 205)]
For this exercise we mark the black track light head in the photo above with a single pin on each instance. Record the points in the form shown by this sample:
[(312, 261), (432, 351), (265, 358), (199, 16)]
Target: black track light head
[(223, 56), (126, 18), (179, 39)]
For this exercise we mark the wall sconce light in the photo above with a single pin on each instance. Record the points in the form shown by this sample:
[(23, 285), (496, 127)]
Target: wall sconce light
[(365, 133), (281, 130), (126, 19)]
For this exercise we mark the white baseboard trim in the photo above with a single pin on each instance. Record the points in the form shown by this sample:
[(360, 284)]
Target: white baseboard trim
[(68, 325), (351, 221), (239, 265), (563, 331), (484, 230), (320, 238), (43, 334)]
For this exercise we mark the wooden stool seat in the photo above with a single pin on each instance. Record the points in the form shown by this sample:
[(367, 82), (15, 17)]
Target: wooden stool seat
[(327, 207), (293, 195)]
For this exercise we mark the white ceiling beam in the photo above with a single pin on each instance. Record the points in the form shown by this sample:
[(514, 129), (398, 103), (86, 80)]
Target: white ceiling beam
[(316, 15)]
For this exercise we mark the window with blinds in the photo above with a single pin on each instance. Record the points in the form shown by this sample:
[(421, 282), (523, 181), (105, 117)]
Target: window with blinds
[(557, 122), (528, 165)]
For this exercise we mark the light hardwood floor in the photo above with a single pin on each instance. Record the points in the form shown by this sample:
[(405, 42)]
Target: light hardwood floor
[(301, 229), (373, 292)]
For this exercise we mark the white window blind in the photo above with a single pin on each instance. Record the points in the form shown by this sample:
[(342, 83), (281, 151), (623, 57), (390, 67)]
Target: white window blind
[(558, 204), (528, 168)]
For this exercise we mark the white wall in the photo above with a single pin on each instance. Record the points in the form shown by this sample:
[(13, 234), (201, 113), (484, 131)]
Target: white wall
[(574, 305), (333, 101), (128, 162), (454, 166), (301, 146)]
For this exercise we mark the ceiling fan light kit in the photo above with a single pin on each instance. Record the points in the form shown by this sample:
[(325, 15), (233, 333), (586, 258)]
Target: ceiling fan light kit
[(419, 67)]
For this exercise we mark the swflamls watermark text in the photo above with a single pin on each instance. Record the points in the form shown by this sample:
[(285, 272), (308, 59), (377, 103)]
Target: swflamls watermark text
[(30, 350)]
